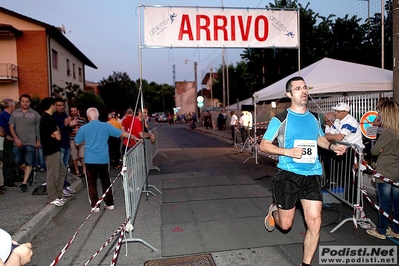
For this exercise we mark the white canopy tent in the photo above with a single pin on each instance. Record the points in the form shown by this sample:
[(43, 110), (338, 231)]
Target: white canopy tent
[(330, 76)]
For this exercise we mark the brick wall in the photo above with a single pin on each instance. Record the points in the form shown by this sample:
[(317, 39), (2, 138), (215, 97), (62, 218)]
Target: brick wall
[(33, 64)]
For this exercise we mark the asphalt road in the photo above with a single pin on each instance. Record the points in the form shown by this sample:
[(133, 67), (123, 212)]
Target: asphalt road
[(186, 151)]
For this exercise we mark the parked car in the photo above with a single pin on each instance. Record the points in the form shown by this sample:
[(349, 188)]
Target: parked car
[(161, 117)]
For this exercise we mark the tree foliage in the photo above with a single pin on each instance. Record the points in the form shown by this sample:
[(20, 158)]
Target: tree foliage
[(348, 38), (89, 99)]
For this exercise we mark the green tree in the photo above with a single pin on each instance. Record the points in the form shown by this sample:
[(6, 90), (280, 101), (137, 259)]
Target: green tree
[(88, 99), (118, 92)]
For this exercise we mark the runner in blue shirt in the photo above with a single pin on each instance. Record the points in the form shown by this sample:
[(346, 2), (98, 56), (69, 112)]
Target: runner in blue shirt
[(298, 132)]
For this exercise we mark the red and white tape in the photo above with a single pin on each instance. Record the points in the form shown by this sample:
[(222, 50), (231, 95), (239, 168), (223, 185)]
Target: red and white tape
[(120, 228), (390, 218), (59, 256)]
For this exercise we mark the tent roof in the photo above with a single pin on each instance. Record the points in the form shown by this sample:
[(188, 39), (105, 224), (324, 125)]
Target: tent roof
[(330, 76)]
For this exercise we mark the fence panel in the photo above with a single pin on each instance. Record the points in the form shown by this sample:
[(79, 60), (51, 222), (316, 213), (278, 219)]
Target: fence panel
[(134, 181), (344, 181)]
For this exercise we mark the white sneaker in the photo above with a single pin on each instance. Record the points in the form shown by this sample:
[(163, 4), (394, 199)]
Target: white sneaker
[(95, 209), (63, 199), (65, 193), (57, 202), (69, 190), (110, 208)]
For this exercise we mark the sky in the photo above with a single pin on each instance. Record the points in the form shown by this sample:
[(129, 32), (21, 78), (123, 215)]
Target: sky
[(106, 31)]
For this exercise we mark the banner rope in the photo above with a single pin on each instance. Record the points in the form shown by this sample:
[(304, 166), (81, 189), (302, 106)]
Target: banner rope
[(62, 252), (120, 228)]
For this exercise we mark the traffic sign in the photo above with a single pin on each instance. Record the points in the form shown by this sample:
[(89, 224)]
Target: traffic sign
[(366, 125)]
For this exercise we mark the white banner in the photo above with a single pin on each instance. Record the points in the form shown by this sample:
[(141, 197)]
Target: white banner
[(219, 27)]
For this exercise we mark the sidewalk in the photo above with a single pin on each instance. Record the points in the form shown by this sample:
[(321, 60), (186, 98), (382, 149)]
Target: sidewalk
[(24, 215)]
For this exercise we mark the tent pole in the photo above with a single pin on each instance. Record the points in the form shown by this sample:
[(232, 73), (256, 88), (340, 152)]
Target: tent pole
[(299, 45)]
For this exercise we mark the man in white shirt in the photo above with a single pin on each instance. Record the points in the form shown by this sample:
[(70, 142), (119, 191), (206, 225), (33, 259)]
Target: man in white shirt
[(347, 126), (244, 122), (233, 126)]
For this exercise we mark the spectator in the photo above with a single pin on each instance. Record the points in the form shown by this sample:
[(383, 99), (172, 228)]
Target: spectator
[(95, 135), (135, 127), (126, 126), (347, 130), (51, 141), (220, 120), (77, 152), (326, 155), (233, 126), (9, 170), (63, 120), (224, 120), (244, 126), (114, 143), (24, 128), (12, 253), (347, 127), (298, 176), (2, 188), (387, 150)]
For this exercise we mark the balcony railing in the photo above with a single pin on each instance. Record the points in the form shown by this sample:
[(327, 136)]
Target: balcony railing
[(8, 72)]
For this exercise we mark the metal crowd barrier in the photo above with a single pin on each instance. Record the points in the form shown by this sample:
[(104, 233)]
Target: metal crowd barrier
[(344, 181), (134, 182)]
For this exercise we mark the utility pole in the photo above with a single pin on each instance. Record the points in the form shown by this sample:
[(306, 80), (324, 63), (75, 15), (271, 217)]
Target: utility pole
[(395, 46), (196, 90), (223, 79), (210, 77)]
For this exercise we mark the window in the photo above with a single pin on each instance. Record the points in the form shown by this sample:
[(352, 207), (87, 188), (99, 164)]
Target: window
[(54, 58), (68, 68), (73, 69), (80, 74)]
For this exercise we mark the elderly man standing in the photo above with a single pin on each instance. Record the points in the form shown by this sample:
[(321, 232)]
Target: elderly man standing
[(347, 127), (95, 135), (348, 130)]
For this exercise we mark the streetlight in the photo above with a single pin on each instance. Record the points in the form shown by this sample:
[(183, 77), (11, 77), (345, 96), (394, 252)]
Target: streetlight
[(195, 85)]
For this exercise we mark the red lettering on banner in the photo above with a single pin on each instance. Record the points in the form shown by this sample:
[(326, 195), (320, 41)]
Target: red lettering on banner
[(185, 28), (218, 27), (244, 32), (260, 26), (203, 27), (233, 28), (265, 26)]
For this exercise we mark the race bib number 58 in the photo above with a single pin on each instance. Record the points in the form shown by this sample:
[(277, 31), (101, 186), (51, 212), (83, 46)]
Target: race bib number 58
[(309, 150)]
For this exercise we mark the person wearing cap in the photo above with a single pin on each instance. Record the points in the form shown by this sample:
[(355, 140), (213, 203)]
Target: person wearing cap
[(297, 180), (347, 126)]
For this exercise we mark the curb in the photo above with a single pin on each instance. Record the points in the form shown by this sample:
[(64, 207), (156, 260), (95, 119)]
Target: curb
[(43, 218)]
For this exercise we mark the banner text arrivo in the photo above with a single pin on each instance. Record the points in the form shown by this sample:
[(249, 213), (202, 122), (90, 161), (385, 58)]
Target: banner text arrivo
[(226, 26)]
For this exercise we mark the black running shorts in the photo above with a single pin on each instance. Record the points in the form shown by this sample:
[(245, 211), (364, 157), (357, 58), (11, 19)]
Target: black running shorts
[(290, 187)]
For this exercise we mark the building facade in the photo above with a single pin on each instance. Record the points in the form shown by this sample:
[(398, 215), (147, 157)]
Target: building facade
[(36, 58)]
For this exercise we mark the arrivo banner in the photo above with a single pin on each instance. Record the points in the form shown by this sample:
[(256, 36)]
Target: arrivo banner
[(198, 27)]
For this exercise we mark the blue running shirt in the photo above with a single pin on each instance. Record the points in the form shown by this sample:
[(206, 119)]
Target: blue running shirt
[(302, 130)]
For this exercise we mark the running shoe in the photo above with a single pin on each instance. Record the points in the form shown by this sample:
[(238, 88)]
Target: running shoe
[(65, 193), (269, 219), (57, 202), (64, 200), (95, 209), (374, 232), (69, 190)]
